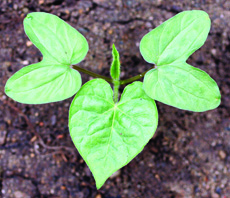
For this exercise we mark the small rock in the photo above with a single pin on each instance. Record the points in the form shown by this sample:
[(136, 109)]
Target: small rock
[(218, 190), (222, 154), (148, 25), (25, 10), (74, 14), (19, 194), (87, 171), (99, 1), (213, 144), (2, 137), (215, 195), (116, 174), (175, 8), (25, 62), (79, 195), (15, 6), (53, 119), (110, 31), (151, 18), (157, 177), (213, 51), (41, 2), (29, 43), (98, 196), (52, 191), (32, 155), (126, 191)]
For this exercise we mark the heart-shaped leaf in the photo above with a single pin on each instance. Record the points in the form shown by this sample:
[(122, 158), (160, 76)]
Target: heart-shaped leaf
[(176, 39), (52, 79), (182, 86), (57, 40), (174, 82), (109, 135), (42, 83)]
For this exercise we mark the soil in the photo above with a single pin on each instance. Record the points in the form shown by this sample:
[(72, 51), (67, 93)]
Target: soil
[(189, 155)]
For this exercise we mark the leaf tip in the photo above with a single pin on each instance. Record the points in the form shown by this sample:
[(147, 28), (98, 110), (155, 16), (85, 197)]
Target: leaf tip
[(203, 16), (100, 180), (99, 185), (7, 90), (218, 100), (28, 17), (7, 87), (114, 51)]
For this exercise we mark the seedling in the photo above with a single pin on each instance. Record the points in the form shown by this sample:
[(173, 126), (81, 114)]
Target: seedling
[(109, 132)]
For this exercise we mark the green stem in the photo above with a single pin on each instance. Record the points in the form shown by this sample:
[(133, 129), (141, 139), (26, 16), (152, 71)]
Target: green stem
[(129, 80), (121, 82), (116, 85), (92, 73)]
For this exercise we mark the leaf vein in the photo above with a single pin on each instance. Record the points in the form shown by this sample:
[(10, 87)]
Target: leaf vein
[(41, 85), (174, 39)]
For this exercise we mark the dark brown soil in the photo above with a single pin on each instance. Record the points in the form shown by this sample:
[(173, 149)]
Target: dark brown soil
[(190, 153)]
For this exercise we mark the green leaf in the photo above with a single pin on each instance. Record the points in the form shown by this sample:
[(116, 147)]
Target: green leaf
[(174, 82), (52, 79), (176, 39), (57, 40), (115, 66), (42, 83), (182, 86), (114, 133)]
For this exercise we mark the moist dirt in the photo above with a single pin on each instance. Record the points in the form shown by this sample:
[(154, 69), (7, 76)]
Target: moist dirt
[(189, 155)]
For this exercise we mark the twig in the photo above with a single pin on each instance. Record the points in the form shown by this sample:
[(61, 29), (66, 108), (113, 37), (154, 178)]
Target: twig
[(31, 128)]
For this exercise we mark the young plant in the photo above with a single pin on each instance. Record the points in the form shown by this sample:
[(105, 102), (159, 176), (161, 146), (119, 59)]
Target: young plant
[(109, 132)]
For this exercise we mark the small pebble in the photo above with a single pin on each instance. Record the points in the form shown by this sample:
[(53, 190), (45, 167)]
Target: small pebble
[(110, 31), (151, 18), (148, 25), (213, 51), (19, 194), (116, 174), (218, 190), (98, 196), (25, 62), (99, 1), (29, 43), (53, 119), (32, 155), (213, 143), (222, 154), (157, 177), (25, 10), (175, 8), (215, 195), (2, 137), (87, 171)]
